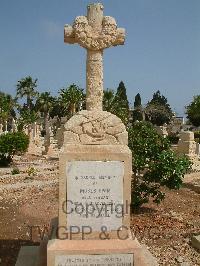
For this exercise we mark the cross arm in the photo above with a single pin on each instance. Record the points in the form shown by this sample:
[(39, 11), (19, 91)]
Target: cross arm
[(69, 36), (120, 37)]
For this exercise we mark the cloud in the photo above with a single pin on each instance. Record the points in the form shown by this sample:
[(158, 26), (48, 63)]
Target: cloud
[(52, 28)]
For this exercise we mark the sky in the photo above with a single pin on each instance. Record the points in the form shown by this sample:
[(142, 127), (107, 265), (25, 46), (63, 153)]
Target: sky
[(161, 52)]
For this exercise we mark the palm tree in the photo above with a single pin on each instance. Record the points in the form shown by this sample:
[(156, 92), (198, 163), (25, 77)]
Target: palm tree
[(44, 104), (71, 98), (116, 105), (7, 105), (108, 100), (26, 87)]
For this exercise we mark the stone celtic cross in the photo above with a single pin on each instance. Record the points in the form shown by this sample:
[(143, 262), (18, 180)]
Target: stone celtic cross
[(95, 33)]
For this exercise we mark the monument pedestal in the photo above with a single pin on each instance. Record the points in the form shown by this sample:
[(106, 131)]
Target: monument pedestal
[(94, 190), (80, 251), (98, 252)]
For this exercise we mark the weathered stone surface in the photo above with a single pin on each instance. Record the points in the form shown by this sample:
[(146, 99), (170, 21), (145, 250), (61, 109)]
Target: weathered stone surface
[(112, 120), (195, 241), (60, 136), (96, 127), (187, 136), (74, 121), (94, 33), (186, 144), (140, 255), (36, 141), (108, 139), (114, 130), (95, 115), (82, 31), (96, 259), (70, 137), (123, 138), (187, 147)]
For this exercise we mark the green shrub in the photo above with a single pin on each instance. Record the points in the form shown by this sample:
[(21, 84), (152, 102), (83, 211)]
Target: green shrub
[(31, 171), (5, 160), (11, 144), (173, 138), (197, 134), (154, 165), (15, 171)]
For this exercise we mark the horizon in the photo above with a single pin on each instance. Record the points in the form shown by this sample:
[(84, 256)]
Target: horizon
[(160, 51)]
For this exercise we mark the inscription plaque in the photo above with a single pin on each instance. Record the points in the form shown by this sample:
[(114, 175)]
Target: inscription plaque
[(95, 260), (95, 194)]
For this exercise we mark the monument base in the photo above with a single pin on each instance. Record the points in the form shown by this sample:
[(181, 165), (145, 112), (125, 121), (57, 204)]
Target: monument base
[(98, 252), (87, 252)]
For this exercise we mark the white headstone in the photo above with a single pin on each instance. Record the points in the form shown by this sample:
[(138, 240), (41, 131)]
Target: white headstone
[(95, 194)]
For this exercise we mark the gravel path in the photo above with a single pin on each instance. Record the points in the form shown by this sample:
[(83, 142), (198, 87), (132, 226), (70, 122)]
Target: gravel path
[(28, 184)]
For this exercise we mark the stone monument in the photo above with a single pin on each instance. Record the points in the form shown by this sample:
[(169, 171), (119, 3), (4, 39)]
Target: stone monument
[(52, 149), (95, 165), (162, 130), (6, 127), (13, 125), (187, 144), (36, 141)]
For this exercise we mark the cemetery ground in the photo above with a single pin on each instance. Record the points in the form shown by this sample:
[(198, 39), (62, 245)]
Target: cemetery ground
[(31, 200)]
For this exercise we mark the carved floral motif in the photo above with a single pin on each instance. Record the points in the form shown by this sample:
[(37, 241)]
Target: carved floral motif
[(83, 34), (89, 127)]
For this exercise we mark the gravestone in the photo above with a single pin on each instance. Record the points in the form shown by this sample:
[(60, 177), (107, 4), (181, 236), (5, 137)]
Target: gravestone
[(52, 149), (13, 125), (36, 141), (162, 130), (6, 127), (60, 136), (187, 144), (95, 165)]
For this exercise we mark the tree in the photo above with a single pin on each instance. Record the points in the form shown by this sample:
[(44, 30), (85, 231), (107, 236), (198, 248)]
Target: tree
[(193, 111), (26, 117), (154, 164), (138, 112), (158, 111), (117, 103), (11, 144), (44, 104), (122, 98), (108, 100), (58, 109), (114, 105), (71, 99), (138, 101), (26, 87), (7, 104)]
